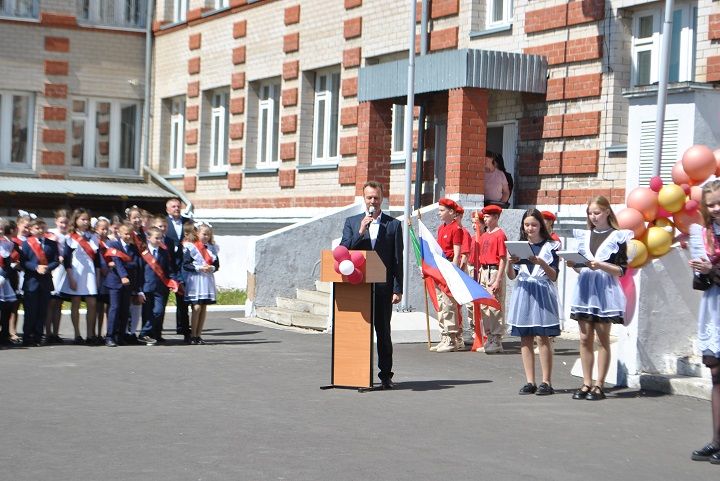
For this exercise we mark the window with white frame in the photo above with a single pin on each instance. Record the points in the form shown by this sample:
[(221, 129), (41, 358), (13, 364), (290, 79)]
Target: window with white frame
[(326, 110), (647, 38), (499, 12), (180, 8), (117, 13), (105, 134), (177, 135), (221, 3), (398, 132), (219, 122), (19, 8), (16, 127), (268, 130)]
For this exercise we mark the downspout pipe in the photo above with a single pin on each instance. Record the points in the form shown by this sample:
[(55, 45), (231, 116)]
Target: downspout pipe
[(662, 85), (421, 118)]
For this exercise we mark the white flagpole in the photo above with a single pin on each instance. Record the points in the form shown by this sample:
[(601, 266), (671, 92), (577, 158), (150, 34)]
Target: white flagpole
[(409, 107)]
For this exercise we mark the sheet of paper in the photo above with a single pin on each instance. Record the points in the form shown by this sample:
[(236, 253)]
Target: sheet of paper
[(520, 249), (575, 257), (696, 245)]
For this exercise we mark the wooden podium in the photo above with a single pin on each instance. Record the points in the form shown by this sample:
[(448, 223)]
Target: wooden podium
[(352, 334)]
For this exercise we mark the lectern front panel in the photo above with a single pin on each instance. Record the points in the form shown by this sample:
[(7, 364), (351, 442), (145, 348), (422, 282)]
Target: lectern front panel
[(352, 335)]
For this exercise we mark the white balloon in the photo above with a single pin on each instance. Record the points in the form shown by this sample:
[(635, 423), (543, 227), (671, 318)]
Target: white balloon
[(347, 267)]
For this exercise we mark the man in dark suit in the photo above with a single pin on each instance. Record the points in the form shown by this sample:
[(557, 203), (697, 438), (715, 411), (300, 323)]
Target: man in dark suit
[(176, 223), (375, 231)]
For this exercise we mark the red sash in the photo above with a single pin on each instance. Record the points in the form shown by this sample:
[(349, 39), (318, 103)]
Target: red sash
[(82, 242), (204, 252), (113, 252), (139, 244), (37, 249), (157, 269)]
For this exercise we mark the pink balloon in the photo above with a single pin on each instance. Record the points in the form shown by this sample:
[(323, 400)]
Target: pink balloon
[(678, 174), (358, 259), (656, 183), (663, 213), (686, 188), (716, 153), (337, 267), (633, 220), (341, 253), (356, 277), (628, 286), (645, 201), (699, 163), (683, 220), (696, 193), (691, 206)]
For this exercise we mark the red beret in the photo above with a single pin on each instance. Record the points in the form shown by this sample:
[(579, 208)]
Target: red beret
[(492, 209), (449, 203), (459, 209), (548, 215)]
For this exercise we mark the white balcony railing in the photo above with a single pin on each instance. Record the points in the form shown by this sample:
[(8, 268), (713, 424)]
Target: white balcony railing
[(113, 13), (20, 8)]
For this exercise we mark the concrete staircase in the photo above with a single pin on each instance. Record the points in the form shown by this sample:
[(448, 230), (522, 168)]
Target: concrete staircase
[(309, 310)]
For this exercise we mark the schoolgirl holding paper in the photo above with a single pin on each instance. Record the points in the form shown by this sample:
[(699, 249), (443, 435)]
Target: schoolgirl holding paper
[(533, 309), (200, 262), (598, 301), (52, 325)]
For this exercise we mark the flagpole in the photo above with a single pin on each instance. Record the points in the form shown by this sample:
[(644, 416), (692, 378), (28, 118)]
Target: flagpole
[(408, 144), (427, 306)]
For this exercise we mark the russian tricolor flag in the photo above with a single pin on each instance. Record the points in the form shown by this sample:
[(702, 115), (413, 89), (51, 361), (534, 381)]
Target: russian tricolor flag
[(461, 286)]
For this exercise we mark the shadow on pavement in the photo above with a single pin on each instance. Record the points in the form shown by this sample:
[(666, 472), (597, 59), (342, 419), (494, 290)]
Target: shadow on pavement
[(434, 385)]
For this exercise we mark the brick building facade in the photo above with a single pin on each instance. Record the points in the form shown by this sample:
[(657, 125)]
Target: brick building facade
[(258, 104), (71, 100)]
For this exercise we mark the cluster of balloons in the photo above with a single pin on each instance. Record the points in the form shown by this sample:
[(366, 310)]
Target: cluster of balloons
[(349, 264), (656, 211)]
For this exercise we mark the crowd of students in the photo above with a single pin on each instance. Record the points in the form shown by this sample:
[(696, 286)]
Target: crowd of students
[(123, 269)]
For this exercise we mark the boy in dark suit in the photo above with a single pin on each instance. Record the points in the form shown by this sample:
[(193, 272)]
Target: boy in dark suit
[(39, 256), (159, 278), (123, 278)]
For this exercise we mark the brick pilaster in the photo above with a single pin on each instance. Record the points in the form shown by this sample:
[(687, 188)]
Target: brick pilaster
[(466, 141), (290, 84), (373, 144), (55, 116)]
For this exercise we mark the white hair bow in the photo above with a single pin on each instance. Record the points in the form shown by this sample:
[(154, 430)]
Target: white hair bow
[(201, 223), (127, 211), (24, 213)]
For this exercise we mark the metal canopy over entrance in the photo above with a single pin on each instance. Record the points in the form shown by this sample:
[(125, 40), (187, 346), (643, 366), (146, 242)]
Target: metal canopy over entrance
[(486, 69)]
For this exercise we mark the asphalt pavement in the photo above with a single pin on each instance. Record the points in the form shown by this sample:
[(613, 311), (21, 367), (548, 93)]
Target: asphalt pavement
[(248, 406)]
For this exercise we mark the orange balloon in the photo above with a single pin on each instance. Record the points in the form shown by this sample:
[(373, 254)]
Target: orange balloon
[(716, 153), (633, 220), (644, 200), (696, 193), (678, 174), (683, 220), (699, 163)]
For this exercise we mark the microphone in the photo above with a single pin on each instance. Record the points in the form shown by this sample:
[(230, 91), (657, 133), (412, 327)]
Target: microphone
[(371, 210)]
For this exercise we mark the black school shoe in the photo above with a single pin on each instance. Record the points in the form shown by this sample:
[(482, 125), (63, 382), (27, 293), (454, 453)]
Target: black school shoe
[(528, 388), (707, 453), (544, 389)]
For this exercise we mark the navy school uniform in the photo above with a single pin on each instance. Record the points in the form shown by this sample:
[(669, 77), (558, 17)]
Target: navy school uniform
[(37, 287), (156, 292), (119, 294)]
